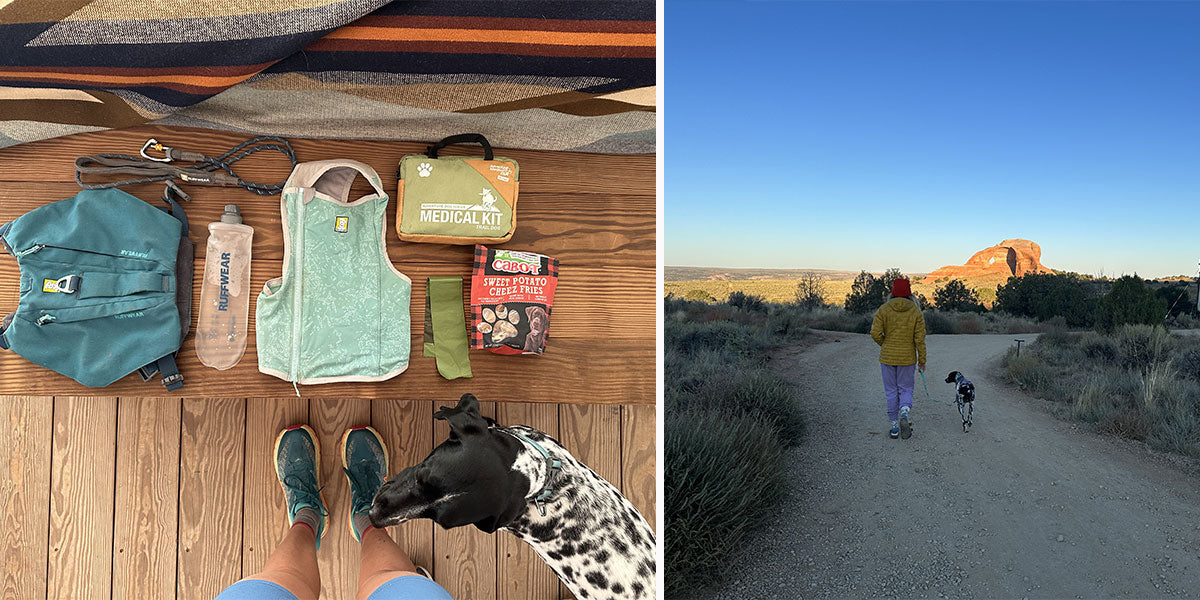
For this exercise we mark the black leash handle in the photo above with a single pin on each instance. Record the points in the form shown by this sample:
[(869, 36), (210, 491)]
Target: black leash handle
[(204, 171), (462, 138)]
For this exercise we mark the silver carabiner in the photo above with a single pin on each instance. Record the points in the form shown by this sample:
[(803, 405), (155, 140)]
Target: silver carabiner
[(153, 143)]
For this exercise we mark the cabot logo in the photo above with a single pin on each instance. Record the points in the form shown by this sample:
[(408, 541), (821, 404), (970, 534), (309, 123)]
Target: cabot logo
[(517, 262)]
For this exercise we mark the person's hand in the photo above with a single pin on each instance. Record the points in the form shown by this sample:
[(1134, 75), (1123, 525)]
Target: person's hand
[(921, 367)]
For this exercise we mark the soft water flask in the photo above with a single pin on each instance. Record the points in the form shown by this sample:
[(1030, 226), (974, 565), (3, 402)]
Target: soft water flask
[(225, 295)]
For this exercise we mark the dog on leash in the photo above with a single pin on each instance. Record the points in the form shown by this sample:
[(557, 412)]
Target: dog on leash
[(523, 481), (964, 397)]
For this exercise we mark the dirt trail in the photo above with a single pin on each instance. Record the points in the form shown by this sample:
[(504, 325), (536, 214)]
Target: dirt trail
[(1025, 505)]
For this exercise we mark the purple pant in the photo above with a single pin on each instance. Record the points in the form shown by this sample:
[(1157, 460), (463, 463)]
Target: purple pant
[(898, 388)]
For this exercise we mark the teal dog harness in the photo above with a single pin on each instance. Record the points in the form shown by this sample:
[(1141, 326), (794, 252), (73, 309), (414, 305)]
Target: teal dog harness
[(99, 297), (340, 312)]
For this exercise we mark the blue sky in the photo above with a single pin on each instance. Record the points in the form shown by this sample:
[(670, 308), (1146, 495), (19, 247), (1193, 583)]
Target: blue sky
[(868, 135)]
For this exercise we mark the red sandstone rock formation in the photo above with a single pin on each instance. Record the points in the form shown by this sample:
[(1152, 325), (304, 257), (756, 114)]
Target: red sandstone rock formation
[(1010, 258)]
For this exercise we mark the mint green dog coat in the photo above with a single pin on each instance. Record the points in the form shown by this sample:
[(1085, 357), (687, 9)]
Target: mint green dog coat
[(340, 310)]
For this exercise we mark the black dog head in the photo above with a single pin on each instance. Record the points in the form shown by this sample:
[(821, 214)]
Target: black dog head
[(952, 377), (467, 480)]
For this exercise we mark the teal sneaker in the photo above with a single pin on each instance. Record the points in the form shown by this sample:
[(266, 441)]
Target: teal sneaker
[(905, 424), (895, 432), (297, 465), (365, 462)]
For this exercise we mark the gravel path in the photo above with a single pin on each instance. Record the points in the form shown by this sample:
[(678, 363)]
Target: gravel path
[(1025, 505)]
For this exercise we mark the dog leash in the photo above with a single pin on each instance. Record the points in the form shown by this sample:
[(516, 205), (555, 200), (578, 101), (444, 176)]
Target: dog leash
[(205, 170)]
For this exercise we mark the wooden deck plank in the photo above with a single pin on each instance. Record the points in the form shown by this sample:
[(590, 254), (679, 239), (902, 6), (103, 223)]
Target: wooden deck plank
[(146, 505), (407, 429), (638, 457), (210, 496), (595, 213), (522, 574), (24, 495), (264, 512), (592, 433), (591, 303), (562, 173), (83, 469), (464, 558), (581, 230), (338, 558)]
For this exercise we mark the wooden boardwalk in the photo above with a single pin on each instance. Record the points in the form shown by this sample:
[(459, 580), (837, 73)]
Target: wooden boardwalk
[(135, 495)]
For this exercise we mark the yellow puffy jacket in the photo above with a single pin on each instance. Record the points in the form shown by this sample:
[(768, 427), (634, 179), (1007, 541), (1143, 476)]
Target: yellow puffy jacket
[(900, 329)]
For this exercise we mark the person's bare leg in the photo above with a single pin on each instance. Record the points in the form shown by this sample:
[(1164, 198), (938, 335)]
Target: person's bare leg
[(293, 564), (381, 560)]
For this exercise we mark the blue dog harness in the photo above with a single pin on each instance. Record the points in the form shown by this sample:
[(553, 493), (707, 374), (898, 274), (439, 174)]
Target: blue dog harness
[(100, 295)]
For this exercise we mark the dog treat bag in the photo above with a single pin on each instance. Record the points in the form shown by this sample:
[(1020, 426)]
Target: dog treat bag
[(511, 296)]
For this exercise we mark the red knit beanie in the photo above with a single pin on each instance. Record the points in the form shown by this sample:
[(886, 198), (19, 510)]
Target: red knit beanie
[(900, 288)]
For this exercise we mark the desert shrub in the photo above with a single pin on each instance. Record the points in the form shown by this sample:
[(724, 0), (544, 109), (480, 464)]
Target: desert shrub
[(692, 337), (955, 295), (1095, 401), (1055, 336), (1188, 361), (752, 392), (968, 323), (1129, 302), (1174, 422), (1128, 423), (936, 322), (1140, 346), (1043, 296), (699, 296), (723, 475), (1098, 347), (1029, 372), (787, 322), (747, 302), (1184, 321)]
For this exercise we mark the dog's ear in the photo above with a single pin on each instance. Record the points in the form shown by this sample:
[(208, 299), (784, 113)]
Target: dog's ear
[(464, 419)]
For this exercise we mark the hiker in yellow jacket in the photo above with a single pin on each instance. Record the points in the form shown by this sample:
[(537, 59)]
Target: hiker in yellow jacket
[(899, 329)]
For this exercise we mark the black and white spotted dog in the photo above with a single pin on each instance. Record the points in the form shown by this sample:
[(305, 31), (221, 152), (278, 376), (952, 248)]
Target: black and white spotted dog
[(964, 397), (523, 481)]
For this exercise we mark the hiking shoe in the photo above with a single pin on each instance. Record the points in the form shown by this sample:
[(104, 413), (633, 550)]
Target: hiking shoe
[(297, 465), (904, 412), (905, 426), (895, 432), (365, 462)]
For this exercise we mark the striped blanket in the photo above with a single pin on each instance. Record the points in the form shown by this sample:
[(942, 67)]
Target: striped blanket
[(550, 75)]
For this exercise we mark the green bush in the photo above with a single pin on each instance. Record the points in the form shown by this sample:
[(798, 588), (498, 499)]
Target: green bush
[(869, 292), (747, 302), (1043, 296), (1129, 301), (691, 337), (936, 322), (1098, 347), (955, 295), (968, 324), (1030, 373), (699, 296), (723, 476)]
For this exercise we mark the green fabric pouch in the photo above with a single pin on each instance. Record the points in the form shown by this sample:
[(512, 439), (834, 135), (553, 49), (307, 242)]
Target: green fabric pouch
[(446, 327), (457, 199)]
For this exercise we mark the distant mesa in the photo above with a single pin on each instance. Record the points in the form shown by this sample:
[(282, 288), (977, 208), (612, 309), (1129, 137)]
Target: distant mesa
[(1010, 258)]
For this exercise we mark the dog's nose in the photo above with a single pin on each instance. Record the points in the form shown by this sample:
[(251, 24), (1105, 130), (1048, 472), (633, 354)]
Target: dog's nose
[(376, 516)]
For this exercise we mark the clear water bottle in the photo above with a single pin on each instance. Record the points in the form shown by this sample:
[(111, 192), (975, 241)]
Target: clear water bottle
[(225, 294)]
